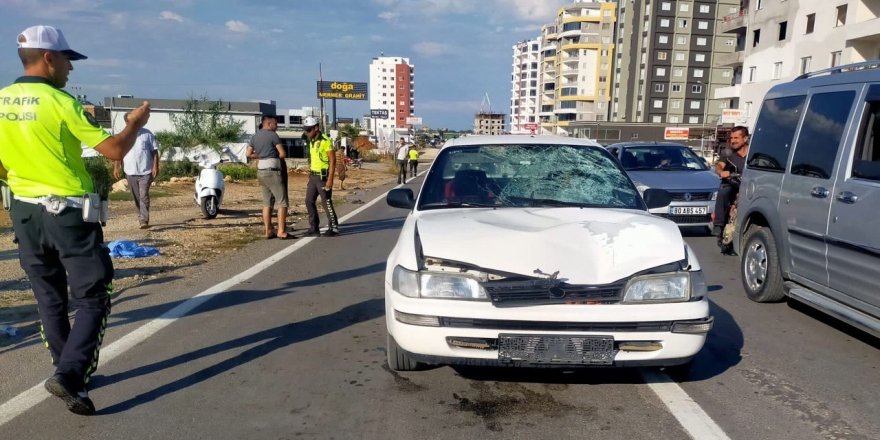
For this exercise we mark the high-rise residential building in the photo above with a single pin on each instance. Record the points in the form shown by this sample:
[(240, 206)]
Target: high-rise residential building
[(664, 70), (525, 86), (778, 41), (577, 53), (392, 89), (489, 123)]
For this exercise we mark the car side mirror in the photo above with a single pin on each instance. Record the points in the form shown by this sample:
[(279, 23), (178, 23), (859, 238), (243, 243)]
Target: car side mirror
[(401, 198), (656, 198)]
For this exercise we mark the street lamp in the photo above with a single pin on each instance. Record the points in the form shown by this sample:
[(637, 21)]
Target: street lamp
[(704, 88)]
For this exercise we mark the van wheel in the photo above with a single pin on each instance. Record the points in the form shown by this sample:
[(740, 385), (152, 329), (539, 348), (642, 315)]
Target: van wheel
[(397, 358), (761, 274)]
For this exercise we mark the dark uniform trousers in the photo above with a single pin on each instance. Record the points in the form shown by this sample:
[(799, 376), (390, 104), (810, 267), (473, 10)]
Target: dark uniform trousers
[(56, 251), (413, 167), (401, 171), (317, 181), (726, 197)]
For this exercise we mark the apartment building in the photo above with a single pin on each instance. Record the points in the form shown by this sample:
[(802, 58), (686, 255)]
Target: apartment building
[(575, 69), (778, 40), (664, 70), (392, 90), (525, 84), (489, 123)]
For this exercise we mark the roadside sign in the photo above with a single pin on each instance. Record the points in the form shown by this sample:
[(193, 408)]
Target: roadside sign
[(379, 113), (731, 116), (676, 134), (530, 126), (414, 120), (342, 90)]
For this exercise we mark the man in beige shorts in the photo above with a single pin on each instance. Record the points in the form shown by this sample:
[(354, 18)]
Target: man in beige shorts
[(265, 146)]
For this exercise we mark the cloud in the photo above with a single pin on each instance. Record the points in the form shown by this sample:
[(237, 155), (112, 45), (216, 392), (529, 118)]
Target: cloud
[(532, 28), (168, 15), (237, 26), (276, 31), (449, 106), (532, 10), (430, 49), (389, 16)]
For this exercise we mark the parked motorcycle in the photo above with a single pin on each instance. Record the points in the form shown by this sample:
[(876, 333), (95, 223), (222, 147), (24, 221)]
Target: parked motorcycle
[(209, 184)]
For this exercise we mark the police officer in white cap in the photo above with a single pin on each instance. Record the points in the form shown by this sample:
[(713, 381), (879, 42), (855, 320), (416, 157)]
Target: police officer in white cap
[(60, 241)]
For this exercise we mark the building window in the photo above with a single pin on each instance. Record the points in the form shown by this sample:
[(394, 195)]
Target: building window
[(835, 58), (697, 88), (701, 41), (730, 42), (661, 71), (661, 55), (678, 72), (777, 70), (702, 25), (841, 15), (698, 73), (700, 57), (683, 23), (679, 56), (674, 119), (663, 39), (805, 64), (658, 103), (656, 119), (675, 103), (681, 40), (725, 73), (666, 6), (811, 21), (676, 87), (684, 7), (693, 120), (756, 37), (783, 27), (664, 22), (659, 87), (752, 73), (704, 9), (759, 5)]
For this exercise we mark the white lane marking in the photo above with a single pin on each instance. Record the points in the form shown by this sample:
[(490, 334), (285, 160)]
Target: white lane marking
[(36, 394), (689, 414)]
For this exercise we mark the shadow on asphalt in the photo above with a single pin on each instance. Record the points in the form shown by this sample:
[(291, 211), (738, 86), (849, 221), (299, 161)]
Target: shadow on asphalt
[(834, 323), (272, 339), (350, 228)]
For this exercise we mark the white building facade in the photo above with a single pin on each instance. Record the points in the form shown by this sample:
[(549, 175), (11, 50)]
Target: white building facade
[(782, 40), (525, 87), (392, 90)]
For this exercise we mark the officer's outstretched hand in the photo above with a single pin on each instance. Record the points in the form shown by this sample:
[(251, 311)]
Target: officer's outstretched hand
[(139, 116)]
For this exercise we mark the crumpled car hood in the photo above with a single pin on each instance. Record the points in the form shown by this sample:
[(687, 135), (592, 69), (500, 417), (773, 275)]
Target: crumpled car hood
[(586, 246), (677, 180)]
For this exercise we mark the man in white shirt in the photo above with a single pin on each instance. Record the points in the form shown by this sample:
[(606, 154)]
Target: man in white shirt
[(141, 166), (402, 158)]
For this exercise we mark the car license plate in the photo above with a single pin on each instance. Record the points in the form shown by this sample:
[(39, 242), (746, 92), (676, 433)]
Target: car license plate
[(688, 210), (556, 349)]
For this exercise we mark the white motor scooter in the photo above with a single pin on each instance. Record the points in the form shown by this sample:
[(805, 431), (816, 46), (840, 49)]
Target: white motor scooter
[(209, 185)]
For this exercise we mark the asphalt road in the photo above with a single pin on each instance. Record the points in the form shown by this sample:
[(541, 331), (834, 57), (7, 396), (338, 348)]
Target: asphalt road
[(297, 351)]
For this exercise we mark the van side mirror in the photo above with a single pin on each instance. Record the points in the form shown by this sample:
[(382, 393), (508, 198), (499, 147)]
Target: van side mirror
[(401, 198), (656, 198)]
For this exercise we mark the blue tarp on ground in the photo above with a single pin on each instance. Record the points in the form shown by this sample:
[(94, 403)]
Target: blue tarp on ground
[(130, 249)]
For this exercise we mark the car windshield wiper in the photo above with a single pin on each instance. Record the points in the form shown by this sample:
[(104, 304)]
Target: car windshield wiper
[(638, 168), (554, 202), (436, 205)]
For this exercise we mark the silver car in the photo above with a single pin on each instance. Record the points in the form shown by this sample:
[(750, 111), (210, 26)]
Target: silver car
[(676, 169)]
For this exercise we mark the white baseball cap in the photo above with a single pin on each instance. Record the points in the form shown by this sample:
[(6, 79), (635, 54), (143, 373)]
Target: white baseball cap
[(310, 121), (49, 38)]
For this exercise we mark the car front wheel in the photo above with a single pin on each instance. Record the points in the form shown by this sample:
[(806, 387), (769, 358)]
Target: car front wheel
[(398, 360), (761, 274)]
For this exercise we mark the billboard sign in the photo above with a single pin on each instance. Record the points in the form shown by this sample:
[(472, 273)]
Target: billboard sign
[(530, 126), (676, 133), (413, 120), (731, 116), (342, 90), (379, 113)]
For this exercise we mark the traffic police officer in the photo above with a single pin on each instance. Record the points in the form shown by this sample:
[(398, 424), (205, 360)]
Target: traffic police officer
[(60, 243), (322, 165)]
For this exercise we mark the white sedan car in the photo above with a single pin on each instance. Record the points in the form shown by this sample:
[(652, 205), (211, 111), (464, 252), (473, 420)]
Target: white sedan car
[(539, 251)]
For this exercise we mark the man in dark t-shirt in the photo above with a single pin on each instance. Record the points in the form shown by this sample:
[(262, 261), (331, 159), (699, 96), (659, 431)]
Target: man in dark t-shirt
[(265, 146), (729, 169)]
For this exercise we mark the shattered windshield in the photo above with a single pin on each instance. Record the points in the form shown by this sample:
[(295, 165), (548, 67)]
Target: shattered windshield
[(527, 176), (661, 158)]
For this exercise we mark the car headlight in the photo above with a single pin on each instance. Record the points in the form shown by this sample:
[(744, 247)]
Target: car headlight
[(436, 285), (667, 287), (714, 195)]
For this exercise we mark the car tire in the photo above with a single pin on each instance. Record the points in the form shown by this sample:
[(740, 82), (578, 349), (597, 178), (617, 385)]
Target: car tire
[(210, 207), (759, 266), (398, 360)]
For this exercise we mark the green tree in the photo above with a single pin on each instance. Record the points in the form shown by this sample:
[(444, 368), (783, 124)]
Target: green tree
[(202, 122), (349, 132)]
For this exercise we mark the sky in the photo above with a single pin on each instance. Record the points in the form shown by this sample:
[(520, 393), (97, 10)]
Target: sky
[(244, 50)]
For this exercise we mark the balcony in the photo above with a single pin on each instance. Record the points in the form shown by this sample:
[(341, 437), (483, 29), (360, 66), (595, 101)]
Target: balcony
[(734, 23), (731, 59), (728, 92), (864, 31)]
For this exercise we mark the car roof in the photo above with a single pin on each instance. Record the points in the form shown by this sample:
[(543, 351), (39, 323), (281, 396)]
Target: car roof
[(868, 71), (645, 144), (519, 139)]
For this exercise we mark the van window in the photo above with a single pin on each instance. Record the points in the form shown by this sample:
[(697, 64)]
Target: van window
[(769, 146), (866, 163), (820, 134)]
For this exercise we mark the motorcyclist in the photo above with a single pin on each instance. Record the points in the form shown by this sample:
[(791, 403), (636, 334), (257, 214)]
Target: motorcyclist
[(729, 169)]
